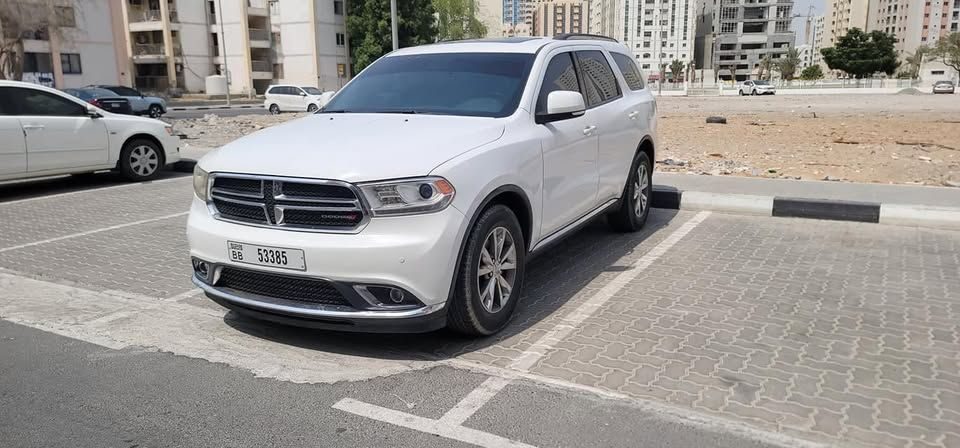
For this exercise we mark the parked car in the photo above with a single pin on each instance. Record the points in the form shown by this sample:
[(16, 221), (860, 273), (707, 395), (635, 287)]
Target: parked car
[(47, 132), (152, 106), (413, 200), (943, 87), (758, 87), (289, 98), (103, 99)]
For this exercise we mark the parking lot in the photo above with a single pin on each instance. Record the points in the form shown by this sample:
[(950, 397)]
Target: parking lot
[(705, 329)]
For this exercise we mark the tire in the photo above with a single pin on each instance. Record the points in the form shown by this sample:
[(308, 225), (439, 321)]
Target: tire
[(753, 93), (476, 313), (312, 108), (637, 197), (274, 109), (140, 160), (154, 111), (741, 92)]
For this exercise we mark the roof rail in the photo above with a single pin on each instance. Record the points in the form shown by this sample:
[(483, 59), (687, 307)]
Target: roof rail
[(583, 36)]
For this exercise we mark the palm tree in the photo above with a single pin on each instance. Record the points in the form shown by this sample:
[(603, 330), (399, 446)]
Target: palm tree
[(788, 64), (676, 68), (766, 65)]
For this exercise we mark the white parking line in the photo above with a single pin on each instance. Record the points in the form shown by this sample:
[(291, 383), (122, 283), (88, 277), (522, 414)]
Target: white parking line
[(91, 232), (450, 424), (90, 190)]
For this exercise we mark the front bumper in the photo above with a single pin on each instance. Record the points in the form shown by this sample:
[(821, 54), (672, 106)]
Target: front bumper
[(944, 90), (171, 148), (414, 253)]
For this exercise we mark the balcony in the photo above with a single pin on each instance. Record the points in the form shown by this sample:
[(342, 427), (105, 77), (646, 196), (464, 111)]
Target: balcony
[(261, 69), (258, 8), (259, 38), (149, 19)]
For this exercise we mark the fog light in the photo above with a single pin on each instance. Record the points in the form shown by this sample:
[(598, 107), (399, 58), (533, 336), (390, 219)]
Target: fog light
[(201, 268), (396, 295)]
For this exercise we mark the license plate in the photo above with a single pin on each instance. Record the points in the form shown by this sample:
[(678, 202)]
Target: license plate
[(277, 257), (114, 106)]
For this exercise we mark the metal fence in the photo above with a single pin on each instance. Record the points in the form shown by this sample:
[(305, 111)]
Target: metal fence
[(149, 50), (871, 83)]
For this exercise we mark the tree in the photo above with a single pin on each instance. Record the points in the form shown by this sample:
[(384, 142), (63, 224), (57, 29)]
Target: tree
[(691, 71), (788, 64), (369, 25), (676, 69), (457, 19), (915, 60), (766, 66), (948, 51), (811, 73), (862, 54), (24, 19)]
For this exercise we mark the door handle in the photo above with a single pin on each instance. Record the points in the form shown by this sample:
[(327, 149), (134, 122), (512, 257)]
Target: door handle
[(589, 130), (33, 126), (633, 115)]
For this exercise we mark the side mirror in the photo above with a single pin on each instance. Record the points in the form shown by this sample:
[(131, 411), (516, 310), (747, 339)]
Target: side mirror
[(562, 105), (92, 112), (303, 93)]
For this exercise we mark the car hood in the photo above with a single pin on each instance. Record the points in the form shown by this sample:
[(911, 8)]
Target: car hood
[(354, 147)]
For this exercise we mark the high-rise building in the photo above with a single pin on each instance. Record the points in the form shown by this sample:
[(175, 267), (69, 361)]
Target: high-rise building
[(552, 17), (176, 44), (842, 15), (81, 45), (605, 17), (490, 13), (816, 41), (733, 36), (656, 31)]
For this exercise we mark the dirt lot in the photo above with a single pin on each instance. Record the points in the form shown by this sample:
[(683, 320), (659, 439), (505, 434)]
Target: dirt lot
[(859, 138)]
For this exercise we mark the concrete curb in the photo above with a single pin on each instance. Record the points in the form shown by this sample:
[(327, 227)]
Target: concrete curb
[(829, 209)]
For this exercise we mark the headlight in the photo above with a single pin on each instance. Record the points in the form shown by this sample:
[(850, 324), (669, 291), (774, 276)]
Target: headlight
[(408, 196), (201, 179)]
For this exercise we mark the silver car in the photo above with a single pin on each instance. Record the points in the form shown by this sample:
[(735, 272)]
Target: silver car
[(943, 87)]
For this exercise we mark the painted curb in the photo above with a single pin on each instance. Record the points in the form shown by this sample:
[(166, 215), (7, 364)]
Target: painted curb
[(191, 108), (667, 197)]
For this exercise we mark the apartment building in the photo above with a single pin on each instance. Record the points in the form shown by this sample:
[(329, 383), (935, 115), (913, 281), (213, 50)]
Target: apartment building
[(815, 39), (177, 44), (516, 12), (655, 31), (552, 17), (605, 17), (490, 13), (912, 22), (733, 36), (80, 49), (842, 15)]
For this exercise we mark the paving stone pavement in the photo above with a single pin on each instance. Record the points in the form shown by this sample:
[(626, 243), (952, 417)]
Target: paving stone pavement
[(836, 332)]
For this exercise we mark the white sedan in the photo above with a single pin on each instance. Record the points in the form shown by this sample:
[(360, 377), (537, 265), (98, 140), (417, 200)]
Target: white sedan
[(290, 98), (47, 132)]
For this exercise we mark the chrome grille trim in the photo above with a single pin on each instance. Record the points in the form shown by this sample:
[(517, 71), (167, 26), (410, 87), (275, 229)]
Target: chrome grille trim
[(288, 202)]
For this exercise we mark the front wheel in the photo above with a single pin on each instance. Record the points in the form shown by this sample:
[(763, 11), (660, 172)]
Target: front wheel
[(741, 93), (636, 200), (490, 276), (155, 111), (274, 109), (140, 160), (312, 108)]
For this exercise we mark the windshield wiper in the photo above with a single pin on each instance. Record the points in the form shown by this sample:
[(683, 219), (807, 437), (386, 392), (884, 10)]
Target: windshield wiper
[(333, 111)]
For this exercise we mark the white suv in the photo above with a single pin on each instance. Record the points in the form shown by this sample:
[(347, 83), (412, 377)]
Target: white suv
[(287, 98), (413, 200)]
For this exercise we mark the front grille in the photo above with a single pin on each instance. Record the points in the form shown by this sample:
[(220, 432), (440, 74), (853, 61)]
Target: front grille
[(296, 289), (287, 203)]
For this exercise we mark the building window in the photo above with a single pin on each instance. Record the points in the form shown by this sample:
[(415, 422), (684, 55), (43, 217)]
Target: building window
[(341, 39), (937, 72), (66, 16), (648, 22), (728, 27), (70, 63), (338, 7), (37, 63)]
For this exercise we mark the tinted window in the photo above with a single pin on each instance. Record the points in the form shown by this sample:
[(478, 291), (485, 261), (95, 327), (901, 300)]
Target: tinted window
[(35, 102), (123, 91), (6, 101), (560, 75), (629, 70), (469, 84), (275, 90), (312, 90), (598, 80)]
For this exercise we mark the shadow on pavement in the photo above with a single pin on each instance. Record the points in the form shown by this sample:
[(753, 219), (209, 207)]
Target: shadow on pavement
[(45, 186), (552, 279)]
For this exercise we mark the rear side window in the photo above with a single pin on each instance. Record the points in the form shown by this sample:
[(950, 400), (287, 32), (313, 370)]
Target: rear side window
[(598, 80), (274, 90), (629, 70), (123, 91), (6, 101), (560, 75)]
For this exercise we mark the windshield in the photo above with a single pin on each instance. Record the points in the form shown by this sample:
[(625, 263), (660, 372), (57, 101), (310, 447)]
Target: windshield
[(762, 83), (312, 90), (469, 84)]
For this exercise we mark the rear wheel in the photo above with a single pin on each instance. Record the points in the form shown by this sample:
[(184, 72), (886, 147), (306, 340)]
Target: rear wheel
[(140, 160), (490, 275), (155, 111), (274, 109), (636, 200), (741, 92), (753, 93)]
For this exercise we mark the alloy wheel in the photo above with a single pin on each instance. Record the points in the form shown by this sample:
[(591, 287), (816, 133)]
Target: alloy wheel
[(640, 193), (497, 270)]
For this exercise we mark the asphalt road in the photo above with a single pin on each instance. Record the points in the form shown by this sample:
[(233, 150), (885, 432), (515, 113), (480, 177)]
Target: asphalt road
[(177, 114), (703, 330)]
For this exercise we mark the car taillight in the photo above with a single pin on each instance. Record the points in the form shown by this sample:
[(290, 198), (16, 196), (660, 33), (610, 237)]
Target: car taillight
[(96, 102)]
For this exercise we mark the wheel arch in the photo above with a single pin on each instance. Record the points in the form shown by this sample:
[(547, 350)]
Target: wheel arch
[(649, 148)]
